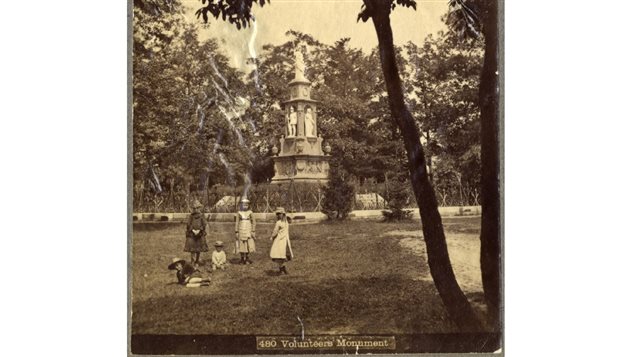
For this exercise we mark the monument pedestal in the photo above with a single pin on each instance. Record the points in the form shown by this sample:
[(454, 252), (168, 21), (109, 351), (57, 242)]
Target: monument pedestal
[(302, 160)]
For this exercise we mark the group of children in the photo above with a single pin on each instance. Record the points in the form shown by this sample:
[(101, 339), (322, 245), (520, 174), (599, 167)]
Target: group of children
[(188, 274)]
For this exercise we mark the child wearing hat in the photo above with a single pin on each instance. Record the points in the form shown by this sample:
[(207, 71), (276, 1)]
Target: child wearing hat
[(219, 259), (195, 233), (281, 246), (245, 231), (187, 275)]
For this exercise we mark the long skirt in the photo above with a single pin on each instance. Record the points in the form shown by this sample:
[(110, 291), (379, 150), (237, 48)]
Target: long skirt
[(281, 249), (246, 246), (195, 245)]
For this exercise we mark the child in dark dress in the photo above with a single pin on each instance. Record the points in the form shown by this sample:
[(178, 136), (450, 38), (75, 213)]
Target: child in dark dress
[(187, 275), (195, 233)]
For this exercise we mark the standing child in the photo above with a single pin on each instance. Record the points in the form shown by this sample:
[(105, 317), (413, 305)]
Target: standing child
[(195, 234), (245, 231), (187, 275), (219, 259), (281, 247)]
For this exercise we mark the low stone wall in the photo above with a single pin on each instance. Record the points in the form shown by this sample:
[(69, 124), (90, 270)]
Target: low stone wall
[(298, 216)]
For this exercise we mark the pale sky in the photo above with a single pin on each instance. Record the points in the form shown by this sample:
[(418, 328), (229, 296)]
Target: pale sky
[(325, 20)]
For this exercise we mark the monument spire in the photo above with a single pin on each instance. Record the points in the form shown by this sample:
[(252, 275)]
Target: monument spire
[(300, 157), (299, 65)]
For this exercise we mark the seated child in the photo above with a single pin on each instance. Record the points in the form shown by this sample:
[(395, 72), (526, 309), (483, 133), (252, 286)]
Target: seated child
[(219, 259), (187, 275)]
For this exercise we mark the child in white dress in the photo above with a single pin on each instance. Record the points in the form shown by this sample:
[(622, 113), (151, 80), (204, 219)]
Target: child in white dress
[(219, 259), (281, 247)]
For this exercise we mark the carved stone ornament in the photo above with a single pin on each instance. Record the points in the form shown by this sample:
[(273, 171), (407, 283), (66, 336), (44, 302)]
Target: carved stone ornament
[(288, 169)]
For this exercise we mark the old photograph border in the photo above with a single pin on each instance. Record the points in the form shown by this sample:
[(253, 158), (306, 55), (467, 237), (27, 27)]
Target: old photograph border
[(437, 343), (568, 183)]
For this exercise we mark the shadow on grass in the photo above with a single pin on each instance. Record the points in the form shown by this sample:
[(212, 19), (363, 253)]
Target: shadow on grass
[(475, 297), (272, 272), (379, 305), (347, 278)]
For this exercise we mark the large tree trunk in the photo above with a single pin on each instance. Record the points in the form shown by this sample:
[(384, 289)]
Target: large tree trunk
[(490, 180), (453, 298)]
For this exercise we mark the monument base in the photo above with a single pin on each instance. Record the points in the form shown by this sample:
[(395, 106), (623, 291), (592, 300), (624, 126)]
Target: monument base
[(301, 168)]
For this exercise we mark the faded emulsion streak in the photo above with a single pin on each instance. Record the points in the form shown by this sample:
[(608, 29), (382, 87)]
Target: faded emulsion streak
[(230, 101), (302, 326)]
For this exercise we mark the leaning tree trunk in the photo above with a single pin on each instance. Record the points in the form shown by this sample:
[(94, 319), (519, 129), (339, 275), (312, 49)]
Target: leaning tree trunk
[(453, 298), (490, 180)]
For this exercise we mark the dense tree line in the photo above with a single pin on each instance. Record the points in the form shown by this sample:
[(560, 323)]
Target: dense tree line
[(198, 122), (192, 123)]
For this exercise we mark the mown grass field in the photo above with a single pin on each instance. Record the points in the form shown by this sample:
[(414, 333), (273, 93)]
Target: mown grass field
[(347, 278)]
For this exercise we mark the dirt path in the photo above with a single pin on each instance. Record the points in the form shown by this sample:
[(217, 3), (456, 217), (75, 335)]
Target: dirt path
[(464, 250)]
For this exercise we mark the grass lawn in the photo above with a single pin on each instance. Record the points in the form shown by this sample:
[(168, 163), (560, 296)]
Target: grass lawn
[(347, 278)]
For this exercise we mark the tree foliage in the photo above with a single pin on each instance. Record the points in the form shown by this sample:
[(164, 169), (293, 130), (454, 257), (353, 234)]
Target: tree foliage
[(354, 115), (236, 12), (338, 195), (190, 130), (445, 80), (368, 7), (464, 19), (398, 197)]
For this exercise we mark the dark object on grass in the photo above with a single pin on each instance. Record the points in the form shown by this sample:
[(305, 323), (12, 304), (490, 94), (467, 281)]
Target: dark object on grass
[(397, 215), (186, 274), (183, 270), (464, 211), (176, 261), (183, 275)]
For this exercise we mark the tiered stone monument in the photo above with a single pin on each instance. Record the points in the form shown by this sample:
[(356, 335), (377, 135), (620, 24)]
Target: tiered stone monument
[(301, 157)]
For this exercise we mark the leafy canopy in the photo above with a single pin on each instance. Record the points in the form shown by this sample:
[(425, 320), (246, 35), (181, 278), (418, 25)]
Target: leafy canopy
[(236, 12)]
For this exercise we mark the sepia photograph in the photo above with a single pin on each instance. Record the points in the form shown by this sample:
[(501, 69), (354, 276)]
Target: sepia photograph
[(315, 177)]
